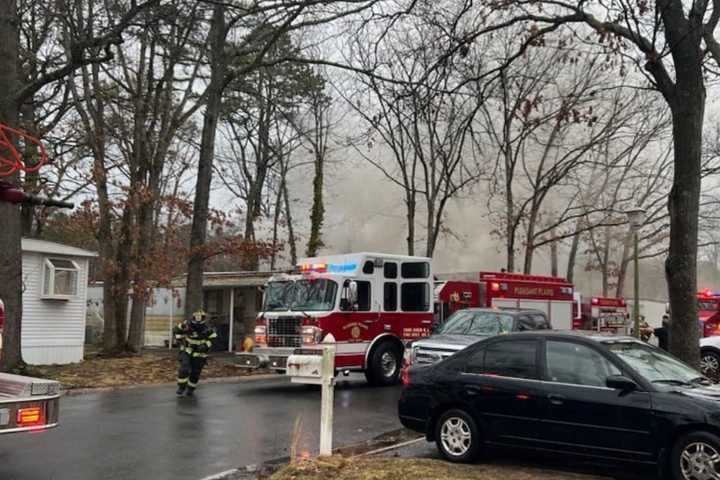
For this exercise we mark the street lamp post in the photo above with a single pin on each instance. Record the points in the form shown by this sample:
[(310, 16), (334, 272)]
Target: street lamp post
[(636, 217)]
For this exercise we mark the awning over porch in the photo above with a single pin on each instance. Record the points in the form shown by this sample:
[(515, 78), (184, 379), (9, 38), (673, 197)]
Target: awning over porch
[(230, 279)]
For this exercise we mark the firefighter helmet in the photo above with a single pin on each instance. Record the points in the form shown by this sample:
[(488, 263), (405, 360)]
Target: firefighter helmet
[(199, 316)]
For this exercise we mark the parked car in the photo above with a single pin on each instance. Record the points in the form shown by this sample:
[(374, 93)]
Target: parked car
[(605, 397), (471, 325), (710, 357)]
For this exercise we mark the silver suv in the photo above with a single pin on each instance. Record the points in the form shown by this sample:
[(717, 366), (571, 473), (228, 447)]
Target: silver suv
[(465, 327)]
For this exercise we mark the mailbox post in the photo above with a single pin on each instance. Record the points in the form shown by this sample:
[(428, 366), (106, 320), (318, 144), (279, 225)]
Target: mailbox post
[(318, 369)]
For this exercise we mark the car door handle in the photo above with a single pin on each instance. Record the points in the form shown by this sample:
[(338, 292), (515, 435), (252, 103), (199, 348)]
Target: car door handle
[(556, 399), (473, 391)]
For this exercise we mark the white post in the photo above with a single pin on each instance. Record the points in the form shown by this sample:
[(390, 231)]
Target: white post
[(232, 319), (172, 323), (327, 400)]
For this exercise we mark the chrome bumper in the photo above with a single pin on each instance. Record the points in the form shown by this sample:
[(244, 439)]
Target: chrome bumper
[(272, 358)]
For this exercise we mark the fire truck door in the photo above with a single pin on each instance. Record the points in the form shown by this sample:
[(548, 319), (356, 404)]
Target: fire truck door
[(356, 327)]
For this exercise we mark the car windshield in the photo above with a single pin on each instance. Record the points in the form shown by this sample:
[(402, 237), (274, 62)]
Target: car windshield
[(302, 295), (477, 323), (655, 365)]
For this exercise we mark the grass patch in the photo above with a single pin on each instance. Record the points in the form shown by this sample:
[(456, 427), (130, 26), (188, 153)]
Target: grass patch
[(339, 468), (154, 366)]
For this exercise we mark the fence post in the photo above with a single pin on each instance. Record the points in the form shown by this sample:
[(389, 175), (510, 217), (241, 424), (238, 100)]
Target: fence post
[(327, 400)]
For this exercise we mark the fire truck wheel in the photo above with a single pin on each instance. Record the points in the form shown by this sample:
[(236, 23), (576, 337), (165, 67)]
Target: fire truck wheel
[(384, 365)]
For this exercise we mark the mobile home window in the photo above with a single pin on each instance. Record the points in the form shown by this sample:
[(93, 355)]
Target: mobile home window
[(390, 297), (60, 278), (415, 270), (415, 297)]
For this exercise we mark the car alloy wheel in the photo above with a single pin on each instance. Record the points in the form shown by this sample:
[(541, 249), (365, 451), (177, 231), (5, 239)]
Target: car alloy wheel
[(456, 436), (710, 365), (700, 461)]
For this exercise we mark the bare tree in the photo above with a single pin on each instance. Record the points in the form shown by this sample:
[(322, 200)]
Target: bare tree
[(428, 129), (671, 43), (85, 48)]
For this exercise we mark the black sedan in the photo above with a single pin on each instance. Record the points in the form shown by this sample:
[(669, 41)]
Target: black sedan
[(608, 398)]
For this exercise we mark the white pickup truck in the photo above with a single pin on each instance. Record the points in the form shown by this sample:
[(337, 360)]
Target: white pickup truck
[(27, 404)]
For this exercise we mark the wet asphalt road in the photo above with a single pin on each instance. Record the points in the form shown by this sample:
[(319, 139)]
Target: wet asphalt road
[(147, 433)]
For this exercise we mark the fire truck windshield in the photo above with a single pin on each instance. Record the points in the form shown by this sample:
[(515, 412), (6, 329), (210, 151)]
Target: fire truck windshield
[(467, 322), (303, 295)]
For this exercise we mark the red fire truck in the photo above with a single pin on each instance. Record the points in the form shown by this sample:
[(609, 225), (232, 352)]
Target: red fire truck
[(552, 295), (603, 315), (709, 312), (368, 304)]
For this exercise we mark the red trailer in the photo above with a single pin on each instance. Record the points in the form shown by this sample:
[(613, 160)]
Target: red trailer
[(552, 295)]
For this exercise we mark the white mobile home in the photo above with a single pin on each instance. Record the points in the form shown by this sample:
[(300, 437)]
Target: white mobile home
[(55, 279)]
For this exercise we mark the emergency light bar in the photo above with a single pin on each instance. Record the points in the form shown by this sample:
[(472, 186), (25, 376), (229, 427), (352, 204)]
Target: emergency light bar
[(329, 268)]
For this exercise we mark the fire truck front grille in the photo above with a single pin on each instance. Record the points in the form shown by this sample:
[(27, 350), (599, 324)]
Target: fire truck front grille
[(284, 332)]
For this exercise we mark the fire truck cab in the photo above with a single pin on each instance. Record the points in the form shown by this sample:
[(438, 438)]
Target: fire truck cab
[(604, 315), (367, 304)]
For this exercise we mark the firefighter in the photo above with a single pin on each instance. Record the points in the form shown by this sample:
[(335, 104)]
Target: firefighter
[(195, 337)]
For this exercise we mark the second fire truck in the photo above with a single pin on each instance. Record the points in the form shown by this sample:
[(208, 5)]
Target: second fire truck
[(552, 295)]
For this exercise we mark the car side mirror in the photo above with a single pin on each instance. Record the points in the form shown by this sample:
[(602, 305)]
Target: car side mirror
[(620, 382)]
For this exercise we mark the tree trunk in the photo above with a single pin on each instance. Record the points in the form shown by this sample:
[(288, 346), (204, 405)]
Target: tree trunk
[(688, 110), (554, 268), (141, 290), (31, 182), (529, 240), (11, 286), (509, 216), (121, 279), (291, 230), (572, 255), (431, 234), (605, 267), (623, 267), (317, 213), (198, 235), (410, 205), (136, 335), (276, 221)]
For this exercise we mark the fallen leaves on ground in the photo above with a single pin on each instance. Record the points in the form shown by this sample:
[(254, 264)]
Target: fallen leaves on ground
[(372, 468), (149, 368)]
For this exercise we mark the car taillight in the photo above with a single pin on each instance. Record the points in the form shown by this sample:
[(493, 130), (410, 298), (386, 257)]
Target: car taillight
[(577, 324), (260, 335), (27, 417), (311, 335)]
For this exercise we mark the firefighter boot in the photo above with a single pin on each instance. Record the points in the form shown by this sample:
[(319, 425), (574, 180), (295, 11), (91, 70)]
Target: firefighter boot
[(190, 391), (181, 390)]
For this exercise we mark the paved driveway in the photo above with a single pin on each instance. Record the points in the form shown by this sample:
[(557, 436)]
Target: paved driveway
[(147, 433)]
